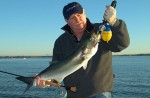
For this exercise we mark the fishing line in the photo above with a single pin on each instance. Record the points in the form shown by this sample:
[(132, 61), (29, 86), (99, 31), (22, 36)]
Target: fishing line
[(10, 73)]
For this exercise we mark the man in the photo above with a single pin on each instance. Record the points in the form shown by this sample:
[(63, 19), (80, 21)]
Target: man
[(97, 80)]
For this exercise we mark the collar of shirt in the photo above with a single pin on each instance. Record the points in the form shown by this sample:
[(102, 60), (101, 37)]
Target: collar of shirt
[(89, 27)]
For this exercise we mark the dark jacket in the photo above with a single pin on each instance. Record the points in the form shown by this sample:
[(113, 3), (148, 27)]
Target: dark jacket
[(98, 77)]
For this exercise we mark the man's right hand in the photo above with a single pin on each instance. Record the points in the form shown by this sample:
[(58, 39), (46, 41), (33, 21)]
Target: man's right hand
[(44, 83), (40, 83)]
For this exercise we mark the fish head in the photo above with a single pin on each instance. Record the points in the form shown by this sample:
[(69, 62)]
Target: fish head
[(93, 41), (91, 45)]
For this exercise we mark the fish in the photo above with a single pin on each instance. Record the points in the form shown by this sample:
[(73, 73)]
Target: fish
[(77, 59)]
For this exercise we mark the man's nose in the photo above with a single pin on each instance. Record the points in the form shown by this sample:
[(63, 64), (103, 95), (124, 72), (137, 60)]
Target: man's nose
[(77, 18)]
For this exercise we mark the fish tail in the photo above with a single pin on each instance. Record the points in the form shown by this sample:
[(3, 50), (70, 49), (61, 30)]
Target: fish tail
[(28, 80)]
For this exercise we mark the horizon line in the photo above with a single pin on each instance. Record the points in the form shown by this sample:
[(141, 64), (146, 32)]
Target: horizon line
[(51, 55)]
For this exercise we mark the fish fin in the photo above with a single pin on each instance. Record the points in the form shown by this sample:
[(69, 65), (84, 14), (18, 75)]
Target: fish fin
[(28, 80), (84, 66), (27, 88)]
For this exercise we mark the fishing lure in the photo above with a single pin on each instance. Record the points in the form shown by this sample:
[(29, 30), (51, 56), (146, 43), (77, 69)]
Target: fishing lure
[(105, 30)]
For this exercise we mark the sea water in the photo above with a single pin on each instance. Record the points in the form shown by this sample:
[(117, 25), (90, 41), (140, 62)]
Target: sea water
[(132, 77)]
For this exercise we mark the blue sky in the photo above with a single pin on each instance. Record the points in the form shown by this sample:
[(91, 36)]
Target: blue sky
[(30, 27)]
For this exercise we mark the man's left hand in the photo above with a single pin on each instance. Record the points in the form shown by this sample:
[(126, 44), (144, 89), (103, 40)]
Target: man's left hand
[(110, 15)]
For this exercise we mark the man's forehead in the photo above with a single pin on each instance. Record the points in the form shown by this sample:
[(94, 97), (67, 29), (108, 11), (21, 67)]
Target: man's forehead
[(76, 14)]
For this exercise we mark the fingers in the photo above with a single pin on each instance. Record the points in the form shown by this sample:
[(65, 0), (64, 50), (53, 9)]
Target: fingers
[(40, 83), (110, 15), (44, 83), (110, 8)]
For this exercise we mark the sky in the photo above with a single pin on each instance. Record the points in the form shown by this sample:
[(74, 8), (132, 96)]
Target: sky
[(30, 27)]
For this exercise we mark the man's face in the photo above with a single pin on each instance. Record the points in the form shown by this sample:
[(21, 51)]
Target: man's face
[(77, 22)]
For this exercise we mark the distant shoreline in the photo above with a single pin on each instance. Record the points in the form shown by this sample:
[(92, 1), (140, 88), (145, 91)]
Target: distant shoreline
[(51, 56), (148, 54)]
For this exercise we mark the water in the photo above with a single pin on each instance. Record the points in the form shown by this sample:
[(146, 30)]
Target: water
[(132, 77)]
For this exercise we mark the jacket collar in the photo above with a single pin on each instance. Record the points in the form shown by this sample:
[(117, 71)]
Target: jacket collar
[(89, 27)]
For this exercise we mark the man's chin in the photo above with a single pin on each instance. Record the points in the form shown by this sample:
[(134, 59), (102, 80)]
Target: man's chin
[(81, 26)]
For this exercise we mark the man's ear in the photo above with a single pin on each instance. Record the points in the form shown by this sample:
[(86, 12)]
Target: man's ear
[(84, 12), (66, 21)]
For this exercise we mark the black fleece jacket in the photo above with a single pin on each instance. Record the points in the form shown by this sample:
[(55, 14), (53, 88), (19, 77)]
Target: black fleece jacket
[(98, 77)]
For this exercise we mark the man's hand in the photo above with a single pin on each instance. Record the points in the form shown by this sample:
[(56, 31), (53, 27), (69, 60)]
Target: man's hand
[(40, 83), (110, 15), (44, 83)]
